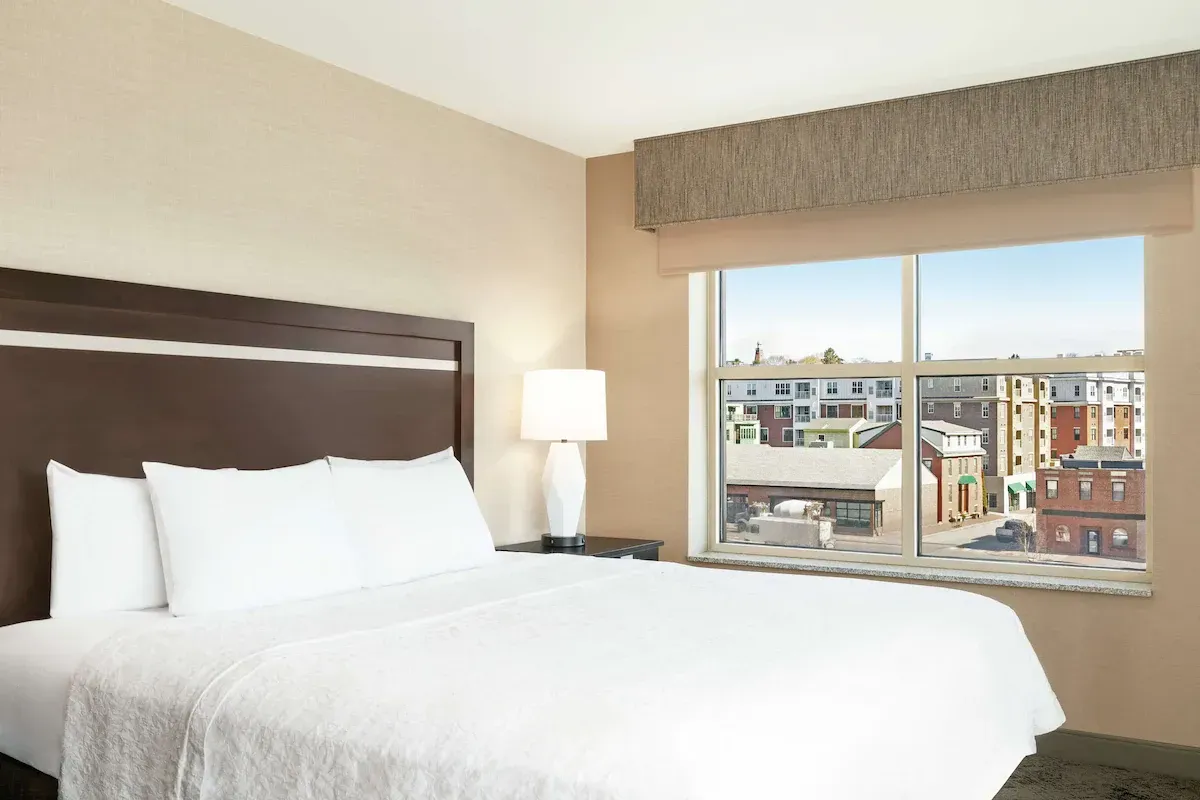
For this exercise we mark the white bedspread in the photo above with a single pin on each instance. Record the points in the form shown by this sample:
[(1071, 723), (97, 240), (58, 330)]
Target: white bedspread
[(568, 678)]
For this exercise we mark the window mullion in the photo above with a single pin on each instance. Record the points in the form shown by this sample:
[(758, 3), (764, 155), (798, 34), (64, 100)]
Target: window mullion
[(910, 451)]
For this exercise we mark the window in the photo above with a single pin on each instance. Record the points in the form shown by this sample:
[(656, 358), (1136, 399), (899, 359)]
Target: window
[(1137, 453), (1092, 434), (1076, 434), (1062, 533), (783, 412), (803, 390), (1137, 432), (1137, 412), (1085, 490), (1091, 390), (789, 435), (764, 436), (1124, 412), (993, 500), (803, 413), (1137, 392), (1120, 537), (829, 346), (1077, 410), (752, 410), (1110, 433), (1118, 491), (1054, 454), (1054, 433), (1054, 412), (1110, 412), (1091, 412), (820, 437), (751, 390), (783, 389), (1125, 434), (1108, 392), (1093, 541), (1051, 488)]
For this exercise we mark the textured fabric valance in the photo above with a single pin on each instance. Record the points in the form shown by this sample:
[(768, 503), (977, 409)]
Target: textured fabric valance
[(1122, 119), (1159, 203)]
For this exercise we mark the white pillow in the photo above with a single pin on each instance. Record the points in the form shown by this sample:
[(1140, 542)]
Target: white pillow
[(236, 539), (334, 461), (105, 549), (414, 522)]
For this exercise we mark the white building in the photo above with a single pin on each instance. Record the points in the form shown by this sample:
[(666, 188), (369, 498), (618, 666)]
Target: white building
[(872, 399), (1120, 402)]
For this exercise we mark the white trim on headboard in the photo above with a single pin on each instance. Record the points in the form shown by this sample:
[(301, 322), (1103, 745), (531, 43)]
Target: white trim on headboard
[(114, 344)]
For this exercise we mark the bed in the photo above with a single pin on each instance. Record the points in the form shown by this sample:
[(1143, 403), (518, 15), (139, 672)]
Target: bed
[(531, 677)]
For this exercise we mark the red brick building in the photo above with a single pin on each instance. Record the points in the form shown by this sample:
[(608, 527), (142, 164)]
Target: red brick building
[(1093, 510), (1072, 425), (954, 454), (775, 423)]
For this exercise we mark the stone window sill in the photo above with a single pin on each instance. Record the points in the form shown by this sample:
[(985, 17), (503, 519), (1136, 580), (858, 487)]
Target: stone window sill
[(935, 574)]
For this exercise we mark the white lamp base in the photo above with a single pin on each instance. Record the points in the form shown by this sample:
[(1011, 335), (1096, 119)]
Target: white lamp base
[(563, 483)]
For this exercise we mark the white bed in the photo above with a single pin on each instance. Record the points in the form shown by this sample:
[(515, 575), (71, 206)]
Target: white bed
[(37, 660), (564, 677)]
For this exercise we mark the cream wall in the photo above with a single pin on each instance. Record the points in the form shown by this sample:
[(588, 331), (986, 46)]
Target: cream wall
[(1121, 666), (142, 143)]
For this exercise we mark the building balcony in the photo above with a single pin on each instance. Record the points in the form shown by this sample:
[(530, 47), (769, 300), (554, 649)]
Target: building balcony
[(732, 417)]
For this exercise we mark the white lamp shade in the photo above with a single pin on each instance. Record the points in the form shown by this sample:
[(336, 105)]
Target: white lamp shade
[(564, 405)]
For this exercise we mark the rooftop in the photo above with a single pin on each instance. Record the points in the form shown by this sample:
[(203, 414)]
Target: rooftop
[(832, 424), (1091, 452), (948, 428), (818, 468)]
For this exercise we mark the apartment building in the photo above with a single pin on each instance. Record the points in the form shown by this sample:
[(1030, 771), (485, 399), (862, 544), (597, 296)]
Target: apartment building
[(741, 424), (1097, 410), (783, 406)]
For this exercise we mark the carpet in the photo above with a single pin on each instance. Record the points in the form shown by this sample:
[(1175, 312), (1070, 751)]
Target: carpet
[(1044, 778)]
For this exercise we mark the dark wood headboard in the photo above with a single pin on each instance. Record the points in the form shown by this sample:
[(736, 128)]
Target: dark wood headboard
[(102, 375)]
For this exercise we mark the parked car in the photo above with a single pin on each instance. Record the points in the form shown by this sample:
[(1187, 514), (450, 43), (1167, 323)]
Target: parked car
[(1015, 530)]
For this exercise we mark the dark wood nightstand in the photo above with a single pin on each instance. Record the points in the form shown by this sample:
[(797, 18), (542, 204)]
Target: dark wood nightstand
[(598, 546)]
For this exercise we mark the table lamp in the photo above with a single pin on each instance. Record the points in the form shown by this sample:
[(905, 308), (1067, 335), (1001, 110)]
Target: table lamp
[(564, 406)]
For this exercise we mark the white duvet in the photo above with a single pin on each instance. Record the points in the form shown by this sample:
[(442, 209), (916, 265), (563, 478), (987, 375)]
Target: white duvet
[(568, 678)]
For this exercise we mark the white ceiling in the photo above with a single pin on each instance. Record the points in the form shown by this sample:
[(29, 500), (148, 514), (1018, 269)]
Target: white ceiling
[(590, 76)]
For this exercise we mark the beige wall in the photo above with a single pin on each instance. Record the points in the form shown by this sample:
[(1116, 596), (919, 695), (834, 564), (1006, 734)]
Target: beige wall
[(141, 143), (1121, 666)]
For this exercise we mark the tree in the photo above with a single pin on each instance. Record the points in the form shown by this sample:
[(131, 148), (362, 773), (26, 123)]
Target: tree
[(735, 362), (811, 359), (831, 357)]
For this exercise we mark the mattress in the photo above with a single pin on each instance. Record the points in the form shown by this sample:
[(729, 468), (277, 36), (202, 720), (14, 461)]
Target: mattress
[(37, 661), (564, 678)]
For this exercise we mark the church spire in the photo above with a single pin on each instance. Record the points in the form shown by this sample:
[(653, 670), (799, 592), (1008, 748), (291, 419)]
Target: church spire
[(758, 353)]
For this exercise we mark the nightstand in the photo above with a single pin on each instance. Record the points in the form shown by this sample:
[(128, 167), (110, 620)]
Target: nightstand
[(597, 546)]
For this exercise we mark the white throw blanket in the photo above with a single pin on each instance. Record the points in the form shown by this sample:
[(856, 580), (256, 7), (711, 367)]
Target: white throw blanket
[(567, 678)]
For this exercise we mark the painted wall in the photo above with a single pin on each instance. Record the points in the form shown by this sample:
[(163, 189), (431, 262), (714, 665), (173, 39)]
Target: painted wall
[(1121, 666), (141, 143)]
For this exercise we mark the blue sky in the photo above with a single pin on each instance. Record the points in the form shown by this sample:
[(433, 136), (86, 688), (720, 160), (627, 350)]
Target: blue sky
[(1039, 300)]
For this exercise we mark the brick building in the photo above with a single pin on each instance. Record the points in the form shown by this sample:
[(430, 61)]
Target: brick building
[(1093, 507), (954, 454)]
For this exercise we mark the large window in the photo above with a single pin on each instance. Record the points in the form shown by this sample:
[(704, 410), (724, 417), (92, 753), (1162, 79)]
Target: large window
[(957, 486)]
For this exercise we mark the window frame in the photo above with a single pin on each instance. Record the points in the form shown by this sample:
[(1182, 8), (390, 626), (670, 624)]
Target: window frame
[(909, 374)]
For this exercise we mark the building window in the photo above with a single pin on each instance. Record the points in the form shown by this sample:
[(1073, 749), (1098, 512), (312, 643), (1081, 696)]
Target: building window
[(1124, 412), (1077, 414), (1108, 392), (1137, 412), (993, 500), (1093, 542), (1085, 490), (1091, 412), (1054, 454), (751, 390), (1054, 412), (1125, 434), (1062, 533), (820, 437), (783, 412), (1054, 433), (1137, 432), (1110, 412), (729, 390), (1137, 392), (1091, 390), (1110, 433), (1137, 453), (752, 410), (1092, 434), (1051, 488), (1077, 390), (1118, 489), (1076, 434), (851, 363), (1120, 537)]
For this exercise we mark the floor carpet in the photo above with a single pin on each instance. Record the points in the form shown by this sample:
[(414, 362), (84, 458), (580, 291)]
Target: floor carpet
[(1044, 778)]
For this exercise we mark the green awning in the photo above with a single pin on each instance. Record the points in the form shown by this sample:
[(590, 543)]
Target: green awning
[(1029, 486), (1016, 488), (966, 479)]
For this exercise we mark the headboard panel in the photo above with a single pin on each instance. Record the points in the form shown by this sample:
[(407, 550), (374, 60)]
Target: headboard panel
[(102, 376)]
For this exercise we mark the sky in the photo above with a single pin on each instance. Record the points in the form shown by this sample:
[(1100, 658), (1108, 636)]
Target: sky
[(1034, 301)]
